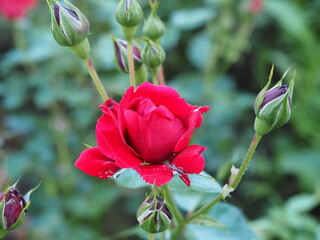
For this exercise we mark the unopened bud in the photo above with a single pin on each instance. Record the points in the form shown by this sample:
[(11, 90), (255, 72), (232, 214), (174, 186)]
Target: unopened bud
[(121, 55), (152, 55), (273, 107), (69, 26), (129, 13), (154, 215), (13, 207), (153, 27)]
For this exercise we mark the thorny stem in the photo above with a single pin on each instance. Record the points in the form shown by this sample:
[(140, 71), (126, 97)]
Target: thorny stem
[(254, 143), (131, 64), (95, 78)]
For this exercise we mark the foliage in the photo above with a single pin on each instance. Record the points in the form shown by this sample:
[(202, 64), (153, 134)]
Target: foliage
[(220, 57)]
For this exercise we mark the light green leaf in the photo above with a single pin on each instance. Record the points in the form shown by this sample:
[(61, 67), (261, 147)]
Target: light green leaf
[(228, 215), (302, 203), (207, 220), (130, 179), (198, 183)]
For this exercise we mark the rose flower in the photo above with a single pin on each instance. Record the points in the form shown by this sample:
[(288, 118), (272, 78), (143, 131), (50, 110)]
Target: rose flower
[(16, 9), (148, 131)]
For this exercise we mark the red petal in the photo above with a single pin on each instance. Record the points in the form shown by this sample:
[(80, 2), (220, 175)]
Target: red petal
[(185, 179), (155, 174), (154, 136), (111, 143), (159, 95), (190, 160), (94, 163), (193, 120)]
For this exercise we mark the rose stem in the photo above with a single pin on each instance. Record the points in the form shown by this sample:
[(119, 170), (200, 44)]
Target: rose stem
[(131, 64), (150, 236), (155, 76), (95, 78), (161, 76), (253, 145)]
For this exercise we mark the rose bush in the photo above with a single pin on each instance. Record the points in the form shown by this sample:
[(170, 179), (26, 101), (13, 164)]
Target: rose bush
[(16, 9), (148, 131)]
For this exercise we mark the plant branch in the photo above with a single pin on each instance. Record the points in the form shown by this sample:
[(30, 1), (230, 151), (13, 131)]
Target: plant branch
[(131, 64), (95, 78)]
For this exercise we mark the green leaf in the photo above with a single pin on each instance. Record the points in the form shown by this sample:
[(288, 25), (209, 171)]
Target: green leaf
[(130, 179), (302, 203), (207, 220), (228, 215), (198, 184)]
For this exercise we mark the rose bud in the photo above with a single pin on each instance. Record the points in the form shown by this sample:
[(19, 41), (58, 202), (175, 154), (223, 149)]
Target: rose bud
[(273, 107), (16, 9), (121, 55), (149, 131), (152, 55), (154, 215), (153, 27), (129, 14), (13, 207), (70, 27)]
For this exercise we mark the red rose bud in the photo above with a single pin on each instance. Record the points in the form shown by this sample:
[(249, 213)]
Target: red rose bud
[(153, 27), (148, 131), (70, 27), (273, 106), (121, 55), (13, 207), (154, 215), (152, 55), (16, 9)]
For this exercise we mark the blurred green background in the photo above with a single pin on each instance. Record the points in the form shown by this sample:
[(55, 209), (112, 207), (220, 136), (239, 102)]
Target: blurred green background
[(218, 54)]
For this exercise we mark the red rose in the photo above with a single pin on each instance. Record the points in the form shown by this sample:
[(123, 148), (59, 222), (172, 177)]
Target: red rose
[(148, 131), (16, 9)]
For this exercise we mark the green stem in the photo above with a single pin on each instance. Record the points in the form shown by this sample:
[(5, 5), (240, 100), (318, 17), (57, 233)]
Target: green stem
[(131, 64), (254, 143), (95, 78), (155, 77), (151, 236)]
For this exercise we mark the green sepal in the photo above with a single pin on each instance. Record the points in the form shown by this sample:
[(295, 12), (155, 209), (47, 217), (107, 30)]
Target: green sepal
[(260, 96)]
